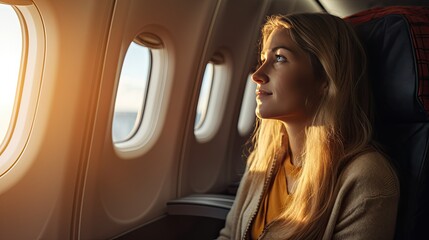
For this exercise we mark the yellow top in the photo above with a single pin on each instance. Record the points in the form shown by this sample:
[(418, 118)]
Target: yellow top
[(275, 199)]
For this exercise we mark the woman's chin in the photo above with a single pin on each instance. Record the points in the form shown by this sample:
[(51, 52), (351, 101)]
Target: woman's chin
[(265, 114), (284, 116)]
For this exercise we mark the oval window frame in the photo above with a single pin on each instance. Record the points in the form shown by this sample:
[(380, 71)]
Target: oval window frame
[(158, 40), (30, 81), (19, 84), (246, 122), (206, 89), (141, 109), (222, 62)]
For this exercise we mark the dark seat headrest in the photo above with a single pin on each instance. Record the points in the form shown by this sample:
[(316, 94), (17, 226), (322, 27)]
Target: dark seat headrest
[(397, 44)]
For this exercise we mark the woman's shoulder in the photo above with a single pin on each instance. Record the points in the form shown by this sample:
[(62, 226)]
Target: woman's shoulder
[(371, 174)]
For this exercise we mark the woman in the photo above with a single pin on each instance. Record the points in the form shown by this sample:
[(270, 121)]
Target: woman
[(313, 172)]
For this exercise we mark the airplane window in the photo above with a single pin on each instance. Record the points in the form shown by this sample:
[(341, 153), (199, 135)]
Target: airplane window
[(213, 97), (10, 62), (247, 116), (131, 93), (203, 100)]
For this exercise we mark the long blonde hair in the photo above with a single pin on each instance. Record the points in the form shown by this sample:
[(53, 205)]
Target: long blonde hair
[(339, 131)]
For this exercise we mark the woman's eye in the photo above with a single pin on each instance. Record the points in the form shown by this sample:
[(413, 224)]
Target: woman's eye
[(280, 58)]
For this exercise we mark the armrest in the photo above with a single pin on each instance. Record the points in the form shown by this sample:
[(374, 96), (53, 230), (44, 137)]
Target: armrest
[(205, 205)]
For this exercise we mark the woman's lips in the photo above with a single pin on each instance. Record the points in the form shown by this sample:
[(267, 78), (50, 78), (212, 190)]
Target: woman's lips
[(261, 92)]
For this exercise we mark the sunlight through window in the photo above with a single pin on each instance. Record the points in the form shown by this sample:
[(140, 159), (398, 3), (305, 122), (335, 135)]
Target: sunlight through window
[(10, 61), (131, 93), (203, 100), (246, 119)]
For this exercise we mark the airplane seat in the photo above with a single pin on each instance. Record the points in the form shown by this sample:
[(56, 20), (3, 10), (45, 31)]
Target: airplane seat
[(397, 45)]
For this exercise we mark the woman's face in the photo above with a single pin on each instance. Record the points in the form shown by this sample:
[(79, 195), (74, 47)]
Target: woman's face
[(286, 84)]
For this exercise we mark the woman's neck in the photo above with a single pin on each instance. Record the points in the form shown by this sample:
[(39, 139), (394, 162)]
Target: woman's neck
[(296, 136)]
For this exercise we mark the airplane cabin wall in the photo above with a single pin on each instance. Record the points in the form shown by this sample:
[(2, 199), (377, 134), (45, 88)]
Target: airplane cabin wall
[(125, 189), (38, 204)]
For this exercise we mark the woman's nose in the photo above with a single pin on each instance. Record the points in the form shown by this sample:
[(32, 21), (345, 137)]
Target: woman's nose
[(259, 76)]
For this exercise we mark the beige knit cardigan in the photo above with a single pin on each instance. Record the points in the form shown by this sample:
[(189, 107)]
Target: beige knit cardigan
[(367, 195)]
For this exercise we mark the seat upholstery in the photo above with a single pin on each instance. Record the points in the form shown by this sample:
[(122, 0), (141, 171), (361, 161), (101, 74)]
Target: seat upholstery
[(397, 45)]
